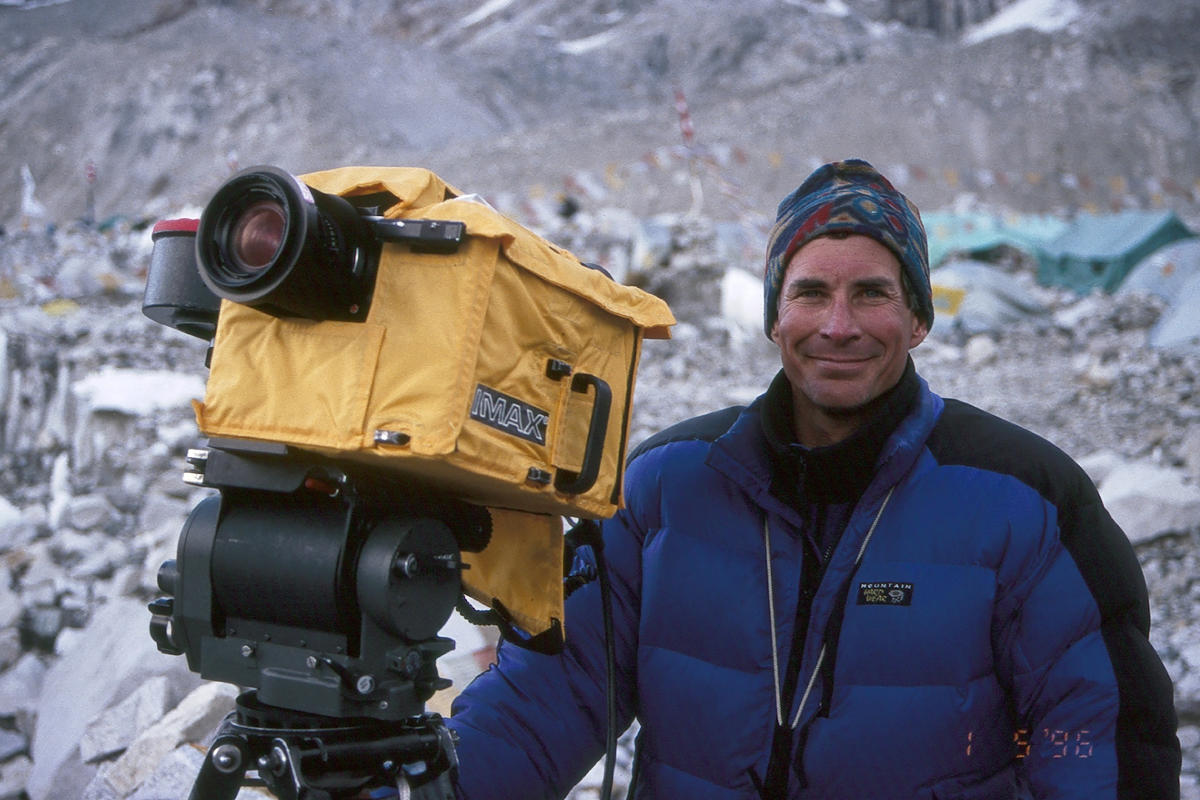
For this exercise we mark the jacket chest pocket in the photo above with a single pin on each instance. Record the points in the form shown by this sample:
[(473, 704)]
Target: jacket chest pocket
[(913, 624)]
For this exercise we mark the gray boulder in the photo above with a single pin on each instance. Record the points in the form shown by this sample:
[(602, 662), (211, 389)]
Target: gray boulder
[(112, 658)]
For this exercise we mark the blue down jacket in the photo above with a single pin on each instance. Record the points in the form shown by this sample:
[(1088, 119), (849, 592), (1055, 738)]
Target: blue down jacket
[(980, 632)]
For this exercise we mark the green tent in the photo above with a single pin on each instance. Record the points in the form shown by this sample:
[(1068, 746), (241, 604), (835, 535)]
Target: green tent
[(1098, 251), (975, 234)]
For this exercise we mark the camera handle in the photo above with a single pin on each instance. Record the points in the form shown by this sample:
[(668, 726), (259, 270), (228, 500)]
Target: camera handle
[(329, 763), (578, 483)]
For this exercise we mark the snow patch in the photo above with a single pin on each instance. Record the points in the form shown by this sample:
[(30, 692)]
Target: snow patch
[(576, 47), (1046, 16), (484, 11), (138, 392), (836, 8), (742, 298)]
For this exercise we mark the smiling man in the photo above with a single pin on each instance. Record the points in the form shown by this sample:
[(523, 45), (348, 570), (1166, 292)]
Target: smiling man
[(852, 589), (844, 331)]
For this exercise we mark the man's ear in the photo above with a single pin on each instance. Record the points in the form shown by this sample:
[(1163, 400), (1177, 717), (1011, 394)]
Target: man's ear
[(920, 330), (775, 331)]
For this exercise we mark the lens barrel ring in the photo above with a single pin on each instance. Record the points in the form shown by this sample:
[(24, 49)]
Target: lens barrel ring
[(215, 238), (269, 241)]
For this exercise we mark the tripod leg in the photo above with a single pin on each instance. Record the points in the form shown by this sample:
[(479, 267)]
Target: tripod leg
[(222, 771)]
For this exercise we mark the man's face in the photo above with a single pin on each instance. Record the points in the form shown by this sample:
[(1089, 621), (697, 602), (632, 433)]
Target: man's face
[(844, 332)]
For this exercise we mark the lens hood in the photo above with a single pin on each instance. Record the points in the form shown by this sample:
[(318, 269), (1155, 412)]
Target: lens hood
[(269, 241)]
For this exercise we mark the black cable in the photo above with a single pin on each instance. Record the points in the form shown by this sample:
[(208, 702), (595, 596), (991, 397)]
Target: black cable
[(587, 532), (610, 659)]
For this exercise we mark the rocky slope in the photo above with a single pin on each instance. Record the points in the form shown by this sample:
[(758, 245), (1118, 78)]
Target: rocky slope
[(521, 98), (529, 102), (95, 423)]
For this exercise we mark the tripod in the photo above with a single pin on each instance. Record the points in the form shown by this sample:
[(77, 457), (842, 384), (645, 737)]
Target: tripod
[(308, 757)]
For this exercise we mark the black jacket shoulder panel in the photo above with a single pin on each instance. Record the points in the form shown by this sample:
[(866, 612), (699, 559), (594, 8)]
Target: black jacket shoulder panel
[(705, 428), (969, 436)]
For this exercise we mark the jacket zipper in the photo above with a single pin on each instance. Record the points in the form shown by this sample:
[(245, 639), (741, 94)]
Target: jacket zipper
[(779, 718)]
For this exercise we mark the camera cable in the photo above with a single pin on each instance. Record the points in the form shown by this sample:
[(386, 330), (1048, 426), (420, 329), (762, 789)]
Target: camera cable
[(586, 532)]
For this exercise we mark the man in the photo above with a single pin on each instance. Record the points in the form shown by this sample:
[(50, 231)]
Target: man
[(851, 588)]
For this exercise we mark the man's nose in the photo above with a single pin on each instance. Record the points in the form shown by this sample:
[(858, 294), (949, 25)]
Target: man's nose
[(840, 323)]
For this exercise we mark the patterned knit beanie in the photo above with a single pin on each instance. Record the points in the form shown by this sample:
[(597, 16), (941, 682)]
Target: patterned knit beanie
[(849, 196)]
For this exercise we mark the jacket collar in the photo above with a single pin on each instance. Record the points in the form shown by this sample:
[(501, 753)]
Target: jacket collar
[(837, 473), (749, 456)]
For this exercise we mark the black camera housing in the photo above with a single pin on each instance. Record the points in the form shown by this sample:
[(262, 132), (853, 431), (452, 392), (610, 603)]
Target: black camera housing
[(325, 591), (270, 241)]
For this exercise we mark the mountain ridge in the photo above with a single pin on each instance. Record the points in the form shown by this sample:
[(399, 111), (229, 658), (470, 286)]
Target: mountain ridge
[(1101, 113)]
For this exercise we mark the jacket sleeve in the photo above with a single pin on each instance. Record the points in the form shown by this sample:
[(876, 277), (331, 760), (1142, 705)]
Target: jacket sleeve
[(1094, 704), (534, 724)]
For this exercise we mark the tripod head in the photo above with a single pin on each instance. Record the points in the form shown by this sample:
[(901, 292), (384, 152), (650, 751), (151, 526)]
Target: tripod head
[(324, 591)]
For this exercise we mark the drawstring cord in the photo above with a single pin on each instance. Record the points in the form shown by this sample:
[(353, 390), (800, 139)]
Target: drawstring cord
[(771, 607)]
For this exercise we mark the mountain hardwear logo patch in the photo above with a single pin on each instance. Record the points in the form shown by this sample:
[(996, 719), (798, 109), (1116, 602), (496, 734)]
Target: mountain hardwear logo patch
[(508, 414), (885, 593)]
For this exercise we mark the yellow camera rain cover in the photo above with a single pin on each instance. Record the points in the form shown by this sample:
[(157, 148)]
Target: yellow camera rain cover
[(502, 373)]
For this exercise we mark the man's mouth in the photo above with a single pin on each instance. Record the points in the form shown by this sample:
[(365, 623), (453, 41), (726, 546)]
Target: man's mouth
[(840, 360)]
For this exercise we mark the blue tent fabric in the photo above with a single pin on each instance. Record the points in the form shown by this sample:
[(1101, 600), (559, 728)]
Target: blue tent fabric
[(991, 299), (1165, 272), (1179, 326)]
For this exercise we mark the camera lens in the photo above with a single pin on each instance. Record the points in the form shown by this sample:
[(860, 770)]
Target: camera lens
[(269, 241), (258, 234)]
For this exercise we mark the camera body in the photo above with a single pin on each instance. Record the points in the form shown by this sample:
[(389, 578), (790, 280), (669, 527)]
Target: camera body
[(397, 372)]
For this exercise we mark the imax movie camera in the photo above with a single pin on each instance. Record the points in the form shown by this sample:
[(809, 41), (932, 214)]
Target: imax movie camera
[(407, 392)]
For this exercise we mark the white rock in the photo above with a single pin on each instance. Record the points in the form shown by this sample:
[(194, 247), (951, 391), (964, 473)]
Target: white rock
[(21, 529), (1099, 374), (43, 579), (160, 511), (1147, 500), (88, 512), (10, 647), (115, 655), (67, 640), (1100, 465), (60, 489), (13, 775), (980, 350), (10, 605), (9, 513), (71, 545), (115, 728), (1189, 450), (21, 686), (99, 789), (174, 777), (138, 392), (103, 560), (1079, 313), (935, 351), (192, 720), (742, 299)]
